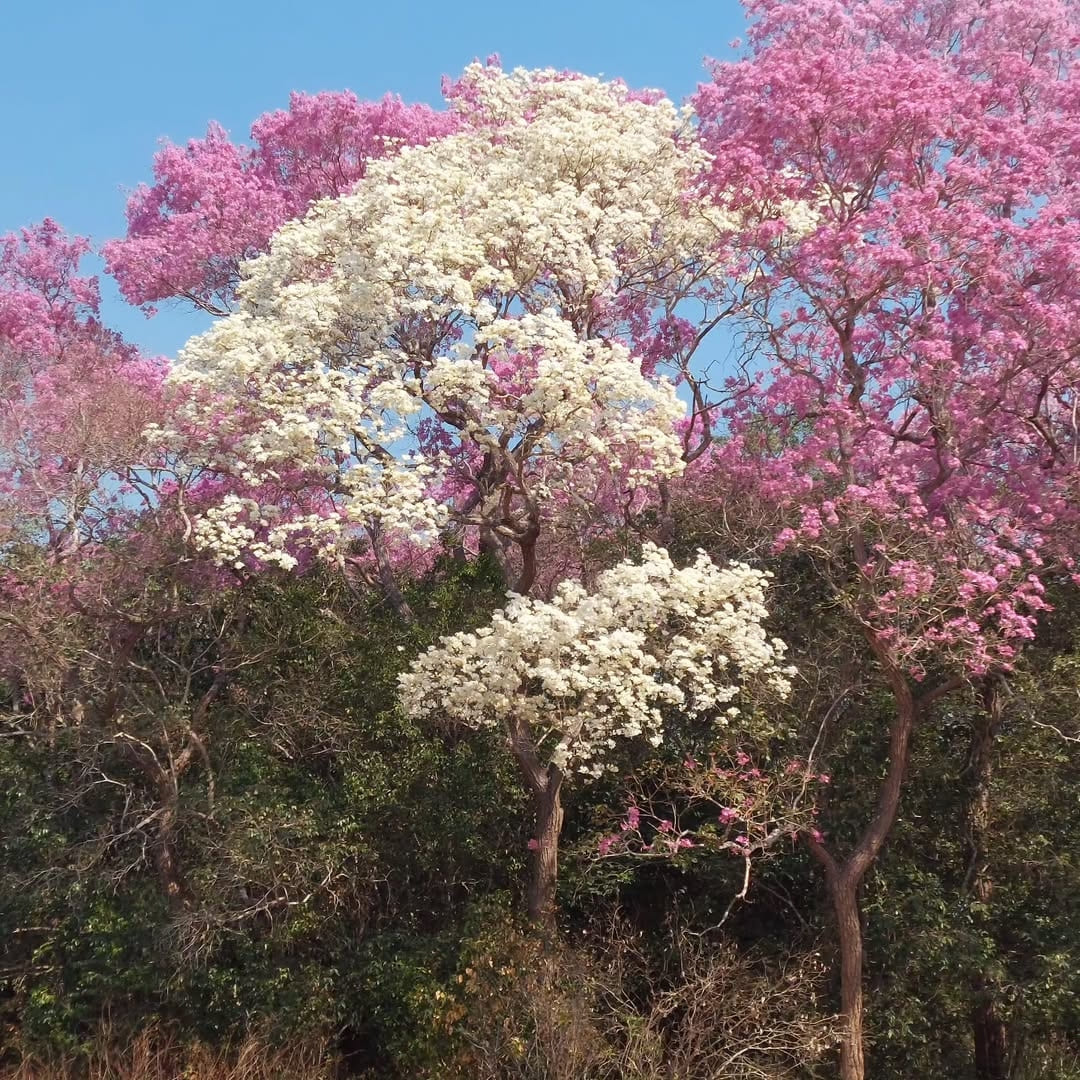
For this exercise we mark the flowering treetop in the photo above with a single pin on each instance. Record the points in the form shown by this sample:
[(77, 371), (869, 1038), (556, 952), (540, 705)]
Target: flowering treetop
[(446, 343), (74, 398), (75, 466), (570, 676), (215, 203), (917, 352)]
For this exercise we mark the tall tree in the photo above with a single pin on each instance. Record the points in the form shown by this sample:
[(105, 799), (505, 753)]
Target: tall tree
[(443, 349), (909, 417), (214, 202), (74, 399), (563, 681), (83, 489)]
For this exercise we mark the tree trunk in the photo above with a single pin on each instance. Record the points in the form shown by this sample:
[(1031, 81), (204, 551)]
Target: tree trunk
[(989, 1030), (165, 783), (844, 876), (394, 596), (991, 1042), (844, 894), (171, 878), (164, 853), (544, 865)]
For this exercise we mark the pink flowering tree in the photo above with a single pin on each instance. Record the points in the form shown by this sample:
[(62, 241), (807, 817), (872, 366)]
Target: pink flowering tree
[(90, 512), (214, 202), (908, 419), (74, 402)]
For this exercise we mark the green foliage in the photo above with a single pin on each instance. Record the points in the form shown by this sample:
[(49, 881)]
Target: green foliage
[(356, 875), (337, 833)]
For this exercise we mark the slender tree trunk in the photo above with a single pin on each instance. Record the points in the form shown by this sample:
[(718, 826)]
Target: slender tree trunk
[(991, 1041), (844, 894), (164, 853), (989, 1030), (666, 526), (844, 876), (544, 784), (388, 583), (493, 550), (544, 864), (165, 783), (527, 545), (170, 874)]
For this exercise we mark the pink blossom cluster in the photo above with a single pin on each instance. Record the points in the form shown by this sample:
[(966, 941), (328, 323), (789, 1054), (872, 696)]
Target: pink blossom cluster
[(730, 805), (892, 220), (74, 399), (913, 402), (215, 202)]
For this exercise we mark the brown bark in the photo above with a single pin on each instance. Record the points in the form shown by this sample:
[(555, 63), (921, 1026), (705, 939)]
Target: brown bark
[(163, 778), (163, 849), (493, 550), (844, 876), (544, 868), (845, 900), (387, 582), (527, 544), (544, 783), (989, 1030), (991, 1036), (665, 531), (171, 879)]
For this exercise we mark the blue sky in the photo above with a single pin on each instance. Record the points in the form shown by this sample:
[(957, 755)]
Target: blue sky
[(88, 88)]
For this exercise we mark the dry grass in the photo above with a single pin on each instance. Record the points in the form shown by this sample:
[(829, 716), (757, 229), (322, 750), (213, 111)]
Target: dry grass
[(601, 1014), (155, 1054)]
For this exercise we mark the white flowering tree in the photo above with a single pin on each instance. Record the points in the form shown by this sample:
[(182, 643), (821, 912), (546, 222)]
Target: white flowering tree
[(565, 680), (451, 344)]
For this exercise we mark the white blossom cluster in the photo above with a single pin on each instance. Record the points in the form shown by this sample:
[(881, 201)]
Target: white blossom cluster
[(578, 672), (460, 283), (237, 527)]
